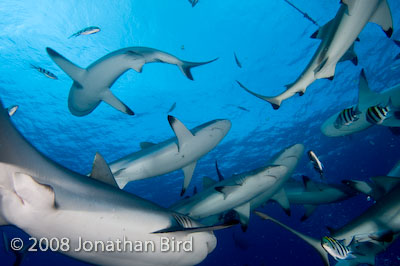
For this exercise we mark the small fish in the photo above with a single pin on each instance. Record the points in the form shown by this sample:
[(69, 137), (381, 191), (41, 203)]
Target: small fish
[(237, 60), (183, 47), (377, 114), (193, 2), (347, 117), (86, 31), (172, 108), (316, 163), (244, 109), (12, 109), (44, 72), (336, 249)]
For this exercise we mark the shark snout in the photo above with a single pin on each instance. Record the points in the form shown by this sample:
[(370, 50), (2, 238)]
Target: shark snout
[(223, 125)]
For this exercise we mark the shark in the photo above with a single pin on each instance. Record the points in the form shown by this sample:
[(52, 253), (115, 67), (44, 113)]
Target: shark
[(45, 199), (366, 99), (92, 85), (337, 44), (242, 192), (366, 235), (181, 152)]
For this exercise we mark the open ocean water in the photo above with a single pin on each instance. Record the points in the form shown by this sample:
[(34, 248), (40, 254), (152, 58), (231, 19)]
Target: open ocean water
[(271, 40)]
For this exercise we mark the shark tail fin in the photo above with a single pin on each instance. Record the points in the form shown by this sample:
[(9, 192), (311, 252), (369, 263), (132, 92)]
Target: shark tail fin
[(186, 66), (316, 244), (73, 71), (274, 101)]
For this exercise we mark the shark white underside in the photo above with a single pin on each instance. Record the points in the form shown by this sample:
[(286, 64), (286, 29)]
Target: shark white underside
[(47, 200), (183, 151), (92, 85), (244, 192), (366, 99), (337, 39)]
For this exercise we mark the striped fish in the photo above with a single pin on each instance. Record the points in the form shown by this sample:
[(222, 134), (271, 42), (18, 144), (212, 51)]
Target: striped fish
[(86, 31), (347, 117), (316, 163), (377, 114), (44, 72), (336, 249)]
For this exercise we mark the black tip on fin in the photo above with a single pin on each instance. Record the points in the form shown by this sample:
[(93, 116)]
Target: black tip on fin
[(129, 111), (183, 191), (303, 218), (301, 93), (330, 78), (171, 119), (314, 35), (358, 39), (389, 32), (51, 52), (244, 227), (306, 179), (275, 106), (331, 230), (288, 212), (355, 61)]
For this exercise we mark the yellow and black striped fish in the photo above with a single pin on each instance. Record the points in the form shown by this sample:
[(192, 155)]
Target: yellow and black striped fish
[(377, 114), (347, 117), (336, 249)]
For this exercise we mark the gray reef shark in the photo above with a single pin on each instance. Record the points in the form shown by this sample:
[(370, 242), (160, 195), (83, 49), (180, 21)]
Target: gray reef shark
[(368, 234), (243, 192), (337, 44), (183, 151), (367, 99), (48, 200), (92, 85)]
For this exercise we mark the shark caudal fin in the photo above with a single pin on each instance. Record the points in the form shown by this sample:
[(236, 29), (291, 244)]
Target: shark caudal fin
[(274, 101), (315, 243), (186, 66), (73, 71)]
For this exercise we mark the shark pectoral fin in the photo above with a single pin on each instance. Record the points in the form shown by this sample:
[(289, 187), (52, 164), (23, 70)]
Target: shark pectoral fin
[(315, 243), (31, 192), (281, 198), (309, 185), (186, 66), (188, 173), (73, 71), (226, 190), (350, 55), (101, 171), (220, 176), (322, 31), (309, 210), (145, 145), (274, 101), (137, 61), (109, 97), (383, 17), (244, 215), (208, 182), (182, 133)]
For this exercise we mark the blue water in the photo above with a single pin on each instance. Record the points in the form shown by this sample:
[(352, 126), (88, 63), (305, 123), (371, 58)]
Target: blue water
[(271, 40)]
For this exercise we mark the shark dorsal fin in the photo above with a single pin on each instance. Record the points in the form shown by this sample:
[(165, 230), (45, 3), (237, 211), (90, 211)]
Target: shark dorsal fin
[(101, 171), (145, 145), (364, 92), (208, 182), (383, 17), (220, 176), (182, 133), (281, 198), (309, 184), (244, 215)]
